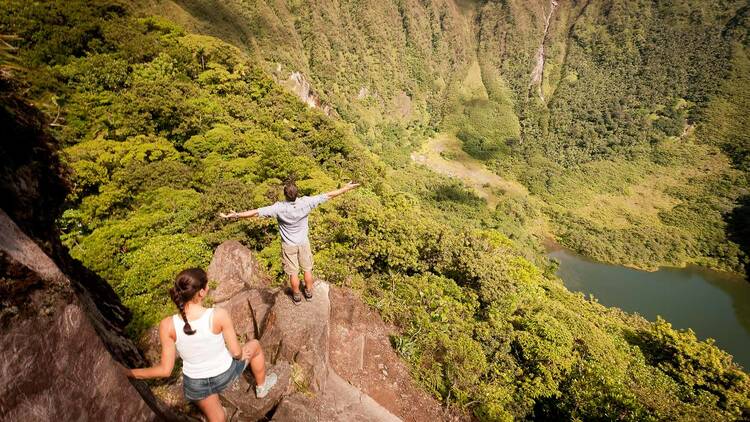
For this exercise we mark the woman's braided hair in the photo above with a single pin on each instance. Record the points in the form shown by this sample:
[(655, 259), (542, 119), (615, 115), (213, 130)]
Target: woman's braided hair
[(186, 286)]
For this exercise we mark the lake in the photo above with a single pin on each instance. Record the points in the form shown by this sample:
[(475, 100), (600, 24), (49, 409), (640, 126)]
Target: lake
[(713, 304)]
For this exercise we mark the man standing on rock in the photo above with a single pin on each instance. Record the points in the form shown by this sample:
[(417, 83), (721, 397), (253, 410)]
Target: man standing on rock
[(295, 245)]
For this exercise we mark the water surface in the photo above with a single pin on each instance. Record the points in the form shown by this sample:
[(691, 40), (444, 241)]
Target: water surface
[(713, 304)]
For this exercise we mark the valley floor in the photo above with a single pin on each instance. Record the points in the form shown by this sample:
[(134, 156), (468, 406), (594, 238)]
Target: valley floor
[(443, 154), (612, 197)]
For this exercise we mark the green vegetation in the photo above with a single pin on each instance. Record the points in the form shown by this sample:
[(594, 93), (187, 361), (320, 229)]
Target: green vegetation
[(623, 82), (162, 129), (382, 65), (621, 148)]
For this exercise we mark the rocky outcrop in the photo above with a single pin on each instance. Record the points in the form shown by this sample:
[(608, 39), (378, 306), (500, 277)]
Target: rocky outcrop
[(402, 106), (361, 354), (299, 334), (340, 402), (332, 354), (301, 87), (249, 309), (61, 327), (54, 366), (240, 288), (234, 269), (363, 93)]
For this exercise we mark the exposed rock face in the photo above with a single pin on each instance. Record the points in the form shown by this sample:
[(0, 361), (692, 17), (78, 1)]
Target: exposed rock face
[(32, 183), (363, 93), (360, 352), (349, 370), (248, 310), (296, 407), (301, 87), (299, 334), (235, 269), (341, 402), (55, 366), (402, 105), (61, 327), (240, 289)]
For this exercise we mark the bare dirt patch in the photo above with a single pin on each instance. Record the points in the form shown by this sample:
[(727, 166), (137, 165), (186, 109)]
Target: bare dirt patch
[(462, 166)]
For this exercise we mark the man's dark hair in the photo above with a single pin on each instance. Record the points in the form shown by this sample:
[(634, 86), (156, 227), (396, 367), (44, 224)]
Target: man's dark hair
[(290, 191)]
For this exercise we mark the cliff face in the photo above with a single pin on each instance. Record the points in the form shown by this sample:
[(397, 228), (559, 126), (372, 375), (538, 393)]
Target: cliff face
[(61, 327), (332, 354), (56, 365)]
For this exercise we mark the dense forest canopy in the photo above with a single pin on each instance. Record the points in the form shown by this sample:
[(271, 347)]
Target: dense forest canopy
[(162, 126), (630, 132)]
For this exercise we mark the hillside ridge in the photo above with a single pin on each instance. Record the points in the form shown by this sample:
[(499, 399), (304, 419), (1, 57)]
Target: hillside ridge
[(162, 129)]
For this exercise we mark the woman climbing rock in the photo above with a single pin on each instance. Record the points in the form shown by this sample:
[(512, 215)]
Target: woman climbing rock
[(212, 358)]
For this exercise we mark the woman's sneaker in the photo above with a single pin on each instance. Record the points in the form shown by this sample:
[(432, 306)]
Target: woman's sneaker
[(262, 390)]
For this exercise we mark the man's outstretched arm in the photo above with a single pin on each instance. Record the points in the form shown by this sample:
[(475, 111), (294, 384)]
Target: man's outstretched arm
[(244, 214), (346, 188)]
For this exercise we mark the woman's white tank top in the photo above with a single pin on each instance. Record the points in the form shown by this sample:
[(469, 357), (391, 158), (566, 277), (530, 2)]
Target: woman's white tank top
[(203, 354)]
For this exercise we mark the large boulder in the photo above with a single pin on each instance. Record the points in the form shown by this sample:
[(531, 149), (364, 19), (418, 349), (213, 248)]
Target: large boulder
[(234, 269), (299, 334), (248, 309), (55, 365), (239, 399)]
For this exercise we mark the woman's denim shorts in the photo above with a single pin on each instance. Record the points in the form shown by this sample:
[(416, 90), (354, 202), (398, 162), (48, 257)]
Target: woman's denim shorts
[(199, 388)]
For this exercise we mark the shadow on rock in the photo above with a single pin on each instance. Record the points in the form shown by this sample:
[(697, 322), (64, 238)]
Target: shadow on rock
[(738, 230)]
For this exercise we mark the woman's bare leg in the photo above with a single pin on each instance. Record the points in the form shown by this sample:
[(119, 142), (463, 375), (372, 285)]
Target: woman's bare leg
[(211, 407), (256, 361)]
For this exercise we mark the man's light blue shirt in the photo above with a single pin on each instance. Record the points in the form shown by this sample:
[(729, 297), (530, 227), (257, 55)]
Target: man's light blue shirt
[(292, 217)]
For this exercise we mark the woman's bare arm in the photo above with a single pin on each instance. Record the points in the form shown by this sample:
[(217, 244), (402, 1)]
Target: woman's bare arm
[(167, 338)]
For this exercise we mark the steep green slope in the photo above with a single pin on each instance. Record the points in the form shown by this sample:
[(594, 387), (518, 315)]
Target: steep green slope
[(614, 127), (386, 67), (592, 105), (163, 128)]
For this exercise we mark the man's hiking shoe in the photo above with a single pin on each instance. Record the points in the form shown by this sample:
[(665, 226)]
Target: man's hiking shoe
[(297, 298), (308, 294), (262, 390)]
